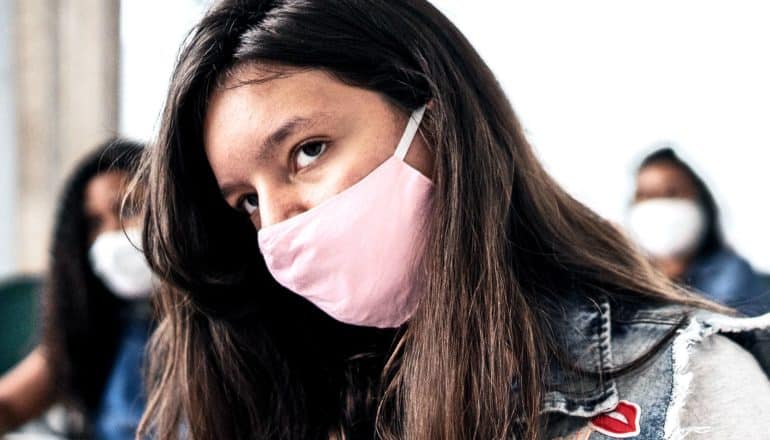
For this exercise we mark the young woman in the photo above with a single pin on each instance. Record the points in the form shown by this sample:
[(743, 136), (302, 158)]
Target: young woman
[(675, 219), (95, 309), (356, 241)]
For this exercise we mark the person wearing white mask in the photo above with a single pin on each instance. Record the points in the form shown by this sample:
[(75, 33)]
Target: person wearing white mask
[(675, 220), (96, 317)]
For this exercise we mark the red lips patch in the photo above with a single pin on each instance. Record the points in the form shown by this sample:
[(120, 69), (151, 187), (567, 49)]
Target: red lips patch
[(622, 422)]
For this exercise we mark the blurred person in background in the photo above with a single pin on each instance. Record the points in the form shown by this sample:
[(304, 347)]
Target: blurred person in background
[(675, 220), (95, 311)]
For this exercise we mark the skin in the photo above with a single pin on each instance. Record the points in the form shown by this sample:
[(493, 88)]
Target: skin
[(25, 391), (339, 135), (103, 197), (663, 180), (28, 389)]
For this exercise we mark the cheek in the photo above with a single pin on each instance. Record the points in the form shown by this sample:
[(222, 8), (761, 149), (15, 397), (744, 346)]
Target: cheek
[(339, 179), (339, 174), (349, 171)]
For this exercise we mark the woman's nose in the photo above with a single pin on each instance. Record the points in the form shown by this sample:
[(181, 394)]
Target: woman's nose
[(113, 223), (278, 205)]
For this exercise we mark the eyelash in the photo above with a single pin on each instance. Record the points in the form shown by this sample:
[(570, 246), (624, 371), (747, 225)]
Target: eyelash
[(239, 204), (298, 149), (293, 155)]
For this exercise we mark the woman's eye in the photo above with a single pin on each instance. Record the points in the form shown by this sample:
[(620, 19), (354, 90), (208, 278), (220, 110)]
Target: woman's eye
[(250, 203), (308, 153)]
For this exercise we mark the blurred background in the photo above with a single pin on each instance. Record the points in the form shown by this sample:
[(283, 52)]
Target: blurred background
[(596, 84)]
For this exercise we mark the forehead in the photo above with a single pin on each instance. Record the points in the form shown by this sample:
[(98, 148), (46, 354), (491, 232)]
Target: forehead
[(665, 176), (268, 81), (663, 172), (253, 100)]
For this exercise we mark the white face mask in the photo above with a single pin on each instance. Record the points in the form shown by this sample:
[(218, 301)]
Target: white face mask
[(117, 261), (667, 228)]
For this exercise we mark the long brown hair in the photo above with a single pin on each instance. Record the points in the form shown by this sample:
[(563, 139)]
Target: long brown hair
[(82, 318), (236, 356)]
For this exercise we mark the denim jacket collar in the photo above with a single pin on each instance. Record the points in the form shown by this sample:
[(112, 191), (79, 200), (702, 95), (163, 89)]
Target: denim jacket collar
[(584, 330)]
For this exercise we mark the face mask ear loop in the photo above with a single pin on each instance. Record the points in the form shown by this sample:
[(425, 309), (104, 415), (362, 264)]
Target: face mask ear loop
[(409, 133)]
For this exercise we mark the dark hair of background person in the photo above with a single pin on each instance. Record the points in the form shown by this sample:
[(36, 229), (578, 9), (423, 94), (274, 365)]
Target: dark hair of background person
[(81, 318), (237, 357), (713, 240)]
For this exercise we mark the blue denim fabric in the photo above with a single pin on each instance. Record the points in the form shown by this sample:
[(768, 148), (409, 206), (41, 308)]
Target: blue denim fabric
[(728, 279), (123, 399), (602, 336)]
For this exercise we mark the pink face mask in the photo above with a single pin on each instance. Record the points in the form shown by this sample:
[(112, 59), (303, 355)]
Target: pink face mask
[(354, 255)]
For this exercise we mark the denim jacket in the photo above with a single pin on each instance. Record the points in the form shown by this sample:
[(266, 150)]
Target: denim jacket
[(123, 400), (709, 378), (726, 278)]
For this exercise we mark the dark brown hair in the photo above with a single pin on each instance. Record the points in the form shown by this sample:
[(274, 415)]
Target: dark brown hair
[(81, 318), (236, 356)]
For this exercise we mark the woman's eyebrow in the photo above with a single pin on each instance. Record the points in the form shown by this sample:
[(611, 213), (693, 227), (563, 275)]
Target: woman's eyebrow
[(227, 189), (276, 138), (286, 130)]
